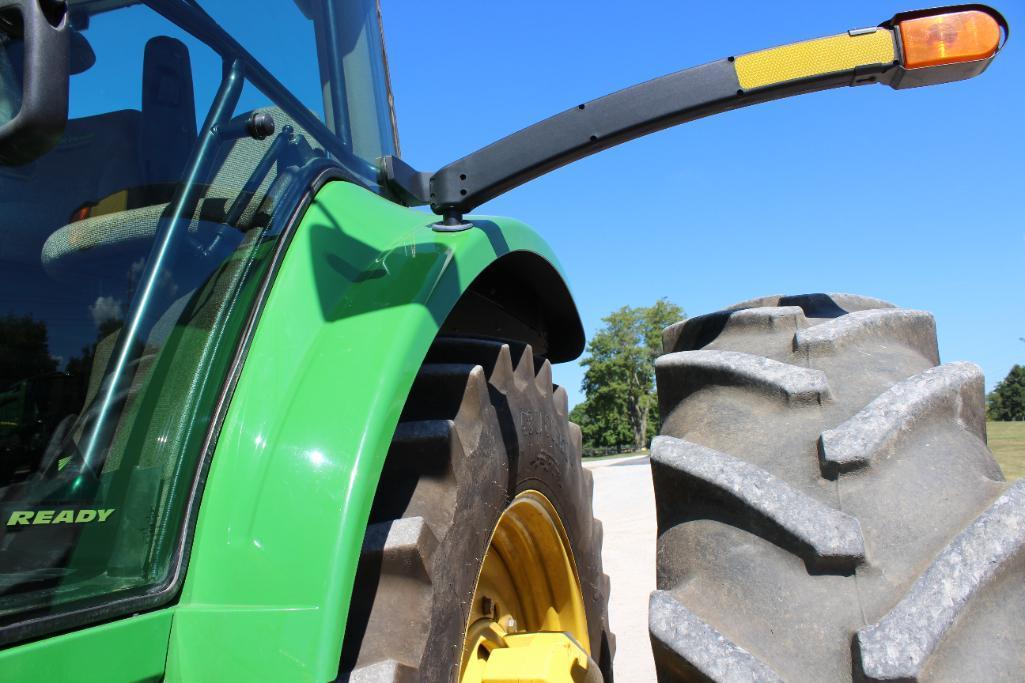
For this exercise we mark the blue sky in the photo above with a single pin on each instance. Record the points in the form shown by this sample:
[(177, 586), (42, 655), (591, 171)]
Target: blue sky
[(911, 196)]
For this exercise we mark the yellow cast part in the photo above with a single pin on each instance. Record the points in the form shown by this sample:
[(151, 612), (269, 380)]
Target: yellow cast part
[(539, 658), (527, 620)]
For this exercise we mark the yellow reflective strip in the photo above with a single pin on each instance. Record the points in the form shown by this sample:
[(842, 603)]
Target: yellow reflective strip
[(814, 58)]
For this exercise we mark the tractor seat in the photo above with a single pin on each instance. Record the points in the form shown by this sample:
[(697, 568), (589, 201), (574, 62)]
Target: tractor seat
[(124, 222)]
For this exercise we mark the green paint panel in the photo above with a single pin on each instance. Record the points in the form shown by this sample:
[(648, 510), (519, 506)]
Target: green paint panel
[(360, 295), (130, 649)]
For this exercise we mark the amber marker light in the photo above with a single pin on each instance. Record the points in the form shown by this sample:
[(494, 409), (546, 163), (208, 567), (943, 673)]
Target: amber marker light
[(949, 38)]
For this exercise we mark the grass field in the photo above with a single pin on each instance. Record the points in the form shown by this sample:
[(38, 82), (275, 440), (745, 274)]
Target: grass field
[(1007, 441)]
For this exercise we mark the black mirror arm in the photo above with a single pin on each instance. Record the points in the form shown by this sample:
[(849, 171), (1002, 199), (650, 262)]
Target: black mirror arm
[(584, 130)]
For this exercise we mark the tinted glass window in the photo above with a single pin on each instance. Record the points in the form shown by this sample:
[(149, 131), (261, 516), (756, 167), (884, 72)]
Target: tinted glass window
[(349, 91), (359, 79), (118, 321), (264, 28)]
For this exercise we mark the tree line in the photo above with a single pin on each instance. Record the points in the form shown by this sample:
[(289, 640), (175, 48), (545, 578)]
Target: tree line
[(620, 410), (1007, 401)]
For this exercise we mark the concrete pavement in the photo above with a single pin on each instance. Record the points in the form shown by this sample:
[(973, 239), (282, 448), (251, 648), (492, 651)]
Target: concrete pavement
[(625, 503)]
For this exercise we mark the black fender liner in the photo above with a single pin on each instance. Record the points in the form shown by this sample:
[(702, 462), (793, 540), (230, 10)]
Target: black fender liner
[(521, 298)]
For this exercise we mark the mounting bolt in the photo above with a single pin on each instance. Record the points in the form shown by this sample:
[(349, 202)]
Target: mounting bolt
[(452, 221), (510, 625), (260, 125)]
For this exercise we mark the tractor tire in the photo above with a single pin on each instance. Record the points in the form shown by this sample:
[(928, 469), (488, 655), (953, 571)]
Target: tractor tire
[(828, 509), (475, 432)]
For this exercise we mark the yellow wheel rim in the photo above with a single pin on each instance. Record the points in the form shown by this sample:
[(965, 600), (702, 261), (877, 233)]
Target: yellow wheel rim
[(528, 584)]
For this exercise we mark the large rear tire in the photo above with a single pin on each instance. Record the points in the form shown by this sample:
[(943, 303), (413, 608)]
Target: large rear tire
[(827, 507), (476, 434)]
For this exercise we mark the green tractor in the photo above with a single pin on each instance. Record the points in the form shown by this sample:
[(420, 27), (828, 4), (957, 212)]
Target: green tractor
[(265, 420)]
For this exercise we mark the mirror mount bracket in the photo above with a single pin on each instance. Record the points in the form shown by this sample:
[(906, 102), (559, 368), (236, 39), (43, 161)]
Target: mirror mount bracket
[(411, 187)]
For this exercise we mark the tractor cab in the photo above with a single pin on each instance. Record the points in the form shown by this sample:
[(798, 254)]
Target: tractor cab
[(133, 237)]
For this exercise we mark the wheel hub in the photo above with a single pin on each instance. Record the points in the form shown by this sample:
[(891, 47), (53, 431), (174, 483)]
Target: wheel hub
[(527, 621)]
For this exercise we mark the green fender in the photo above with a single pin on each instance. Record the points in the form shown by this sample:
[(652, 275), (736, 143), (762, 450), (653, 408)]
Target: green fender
[(359, 297)]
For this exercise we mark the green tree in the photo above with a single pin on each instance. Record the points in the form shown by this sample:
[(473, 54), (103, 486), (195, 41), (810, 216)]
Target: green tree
[(619, 381), (1007, 401), (24, 349)]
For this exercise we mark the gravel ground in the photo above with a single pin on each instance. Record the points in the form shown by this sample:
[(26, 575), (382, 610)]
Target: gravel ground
[(625, 503)]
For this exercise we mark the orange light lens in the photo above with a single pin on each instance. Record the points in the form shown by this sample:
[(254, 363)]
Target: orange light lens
[(949, 38)]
